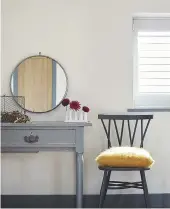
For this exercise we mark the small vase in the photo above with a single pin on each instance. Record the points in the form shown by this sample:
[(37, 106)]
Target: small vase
[(75, 115), (85, 117), (70, 116), (67, 115), (81, 116)]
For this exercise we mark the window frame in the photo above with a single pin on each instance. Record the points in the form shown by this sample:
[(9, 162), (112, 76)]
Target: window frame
[(158, 101)]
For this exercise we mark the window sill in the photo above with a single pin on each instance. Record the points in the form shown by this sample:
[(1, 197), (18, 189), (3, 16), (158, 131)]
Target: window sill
[(148, 110)]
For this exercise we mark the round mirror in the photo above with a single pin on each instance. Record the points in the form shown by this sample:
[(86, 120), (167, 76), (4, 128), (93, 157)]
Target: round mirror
[(40, 83)]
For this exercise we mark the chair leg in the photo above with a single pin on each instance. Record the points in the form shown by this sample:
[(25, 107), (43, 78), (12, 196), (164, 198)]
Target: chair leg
[(145, 189), (104, 186)]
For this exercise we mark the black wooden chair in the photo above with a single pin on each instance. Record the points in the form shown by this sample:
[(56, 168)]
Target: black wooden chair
[(107, 183)]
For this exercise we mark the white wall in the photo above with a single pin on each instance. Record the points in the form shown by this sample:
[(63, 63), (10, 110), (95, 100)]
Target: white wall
[(92, 39)]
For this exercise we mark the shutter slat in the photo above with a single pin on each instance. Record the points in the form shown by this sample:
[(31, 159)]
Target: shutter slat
[(156, 82), (154, 61), (154, 47), (158, 89), (154, 75), (154, 68), (154, 34), (154, 54)]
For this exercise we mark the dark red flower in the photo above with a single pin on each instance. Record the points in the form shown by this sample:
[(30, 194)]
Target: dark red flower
[(65, 102), (75, 105), (85, 109)]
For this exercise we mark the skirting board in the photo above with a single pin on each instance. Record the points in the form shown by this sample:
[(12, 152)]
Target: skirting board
[(90, 201)]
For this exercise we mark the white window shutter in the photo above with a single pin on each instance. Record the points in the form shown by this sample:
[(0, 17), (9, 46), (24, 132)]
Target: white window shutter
[(152, 63)]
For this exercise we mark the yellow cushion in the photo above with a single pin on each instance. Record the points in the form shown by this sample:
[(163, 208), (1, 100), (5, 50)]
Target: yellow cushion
[(125, 157)]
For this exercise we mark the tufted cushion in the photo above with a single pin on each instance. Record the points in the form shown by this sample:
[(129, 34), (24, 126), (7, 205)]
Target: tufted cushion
[(125, 157)]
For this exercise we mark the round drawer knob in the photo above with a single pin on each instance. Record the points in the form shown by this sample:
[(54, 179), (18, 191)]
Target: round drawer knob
[(31, 138)]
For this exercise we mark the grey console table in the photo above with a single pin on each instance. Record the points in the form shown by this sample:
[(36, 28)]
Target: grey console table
[(47, 136)]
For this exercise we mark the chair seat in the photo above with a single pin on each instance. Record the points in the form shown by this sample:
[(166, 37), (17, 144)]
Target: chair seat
[(125, 156), (122, 168)]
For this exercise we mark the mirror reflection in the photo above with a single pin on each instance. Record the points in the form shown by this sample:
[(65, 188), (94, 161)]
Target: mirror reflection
[(41, 81)]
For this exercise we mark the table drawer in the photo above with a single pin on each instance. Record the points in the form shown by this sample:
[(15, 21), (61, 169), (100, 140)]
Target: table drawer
[(37, 138)]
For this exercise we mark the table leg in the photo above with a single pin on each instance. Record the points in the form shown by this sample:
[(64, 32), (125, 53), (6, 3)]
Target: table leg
[(79, 180)]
